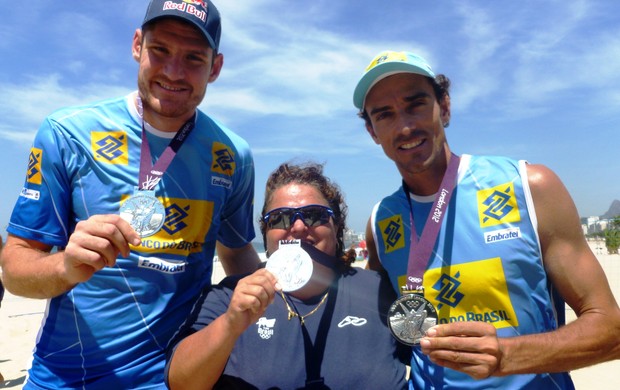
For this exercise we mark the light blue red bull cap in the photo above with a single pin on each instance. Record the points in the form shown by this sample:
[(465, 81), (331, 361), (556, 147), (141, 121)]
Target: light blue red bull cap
[(200, 13), (385, 64)]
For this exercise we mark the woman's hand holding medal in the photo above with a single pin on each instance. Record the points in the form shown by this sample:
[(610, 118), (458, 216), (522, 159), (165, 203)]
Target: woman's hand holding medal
[(250, 300), (288, 269)]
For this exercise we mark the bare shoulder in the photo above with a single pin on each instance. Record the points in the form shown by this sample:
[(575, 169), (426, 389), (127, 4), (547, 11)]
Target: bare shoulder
[(559, 227), (541, 178), (552, 200)]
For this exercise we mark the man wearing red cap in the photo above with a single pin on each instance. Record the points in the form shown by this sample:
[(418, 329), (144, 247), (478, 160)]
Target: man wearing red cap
[(136, 193)]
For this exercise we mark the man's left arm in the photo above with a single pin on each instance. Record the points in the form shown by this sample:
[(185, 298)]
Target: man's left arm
[(238, 260), (577, 275), (233, 246)]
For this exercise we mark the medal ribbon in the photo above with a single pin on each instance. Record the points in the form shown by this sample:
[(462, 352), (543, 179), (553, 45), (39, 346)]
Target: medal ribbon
[(314, 352), (151, 174), (319, 256), (420, 251)]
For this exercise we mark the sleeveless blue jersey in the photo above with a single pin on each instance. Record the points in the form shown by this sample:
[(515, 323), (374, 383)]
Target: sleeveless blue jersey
[(486, 265), (111, 332)]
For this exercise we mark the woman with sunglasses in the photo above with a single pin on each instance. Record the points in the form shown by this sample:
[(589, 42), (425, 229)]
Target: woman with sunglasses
[(331, 332)]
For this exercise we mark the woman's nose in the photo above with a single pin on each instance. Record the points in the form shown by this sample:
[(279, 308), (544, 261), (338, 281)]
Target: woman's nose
[(298, 224)]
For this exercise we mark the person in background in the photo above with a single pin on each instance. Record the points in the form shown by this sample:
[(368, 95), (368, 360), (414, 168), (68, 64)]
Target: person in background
[(494, 245), (330, 333), (1, 285), (1, 297), (136, 193)]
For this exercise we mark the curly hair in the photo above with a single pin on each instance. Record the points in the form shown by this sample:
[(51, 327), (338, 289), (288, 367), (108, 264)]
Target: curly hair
[(441, 87), (309, 173)]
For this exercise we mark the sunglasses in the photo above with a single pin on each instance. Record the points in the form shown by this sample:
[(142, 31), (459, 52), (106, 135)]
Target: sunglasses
[(284, 217)]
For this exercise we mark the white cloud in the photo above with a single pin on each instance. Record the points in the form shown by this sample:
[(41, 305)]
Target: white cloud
[(526, 60), (25, 105)]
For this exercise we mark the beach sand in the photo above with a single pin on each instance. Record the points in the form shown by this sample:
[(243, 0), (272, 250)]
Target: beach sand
[(20, 319)]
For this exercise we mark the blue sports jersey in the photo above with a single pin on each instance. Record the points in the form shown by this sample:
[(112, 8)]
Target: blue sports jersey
[(277, 353), (486, 265), (111, 332)]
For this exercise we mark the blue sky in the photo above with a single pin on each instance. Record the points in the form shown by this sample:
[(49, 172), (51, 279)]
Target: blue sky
[(537, 80)]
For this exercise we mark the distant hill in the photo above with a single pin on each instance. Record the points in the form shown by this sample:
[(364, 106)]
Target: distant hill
[(614, 210)]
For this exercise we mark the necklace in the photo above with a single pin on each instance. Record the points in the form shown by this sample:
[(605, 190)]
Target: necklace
[(292, 313)]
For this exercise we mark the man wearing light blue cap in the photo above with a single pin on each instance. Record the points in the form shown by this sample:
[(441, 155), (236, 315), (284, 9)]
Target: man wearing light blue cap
[(484, 250), (124, 204)]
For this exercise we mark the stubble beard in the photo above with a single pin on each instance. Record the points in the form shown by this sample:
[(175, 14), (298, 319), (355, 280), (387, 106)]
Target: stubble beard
[(173, 110)]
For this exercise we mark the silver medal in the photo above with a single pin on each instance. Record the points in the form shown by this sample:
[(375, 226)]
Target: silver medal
[(291, 265), (410, 317), (144, 212)]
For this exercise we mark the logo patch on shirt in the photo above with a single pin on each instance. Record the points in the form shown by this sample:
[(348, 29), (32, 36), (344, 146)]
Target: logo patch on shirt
[(221, 182), (185, 228), (30, 194), (33, 175), (498, 205), (475, 291), (109, 147), (265, 327), (393, 233), (175, 218), (502, 235), (161, 265), (223, 159), (352, 320)]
